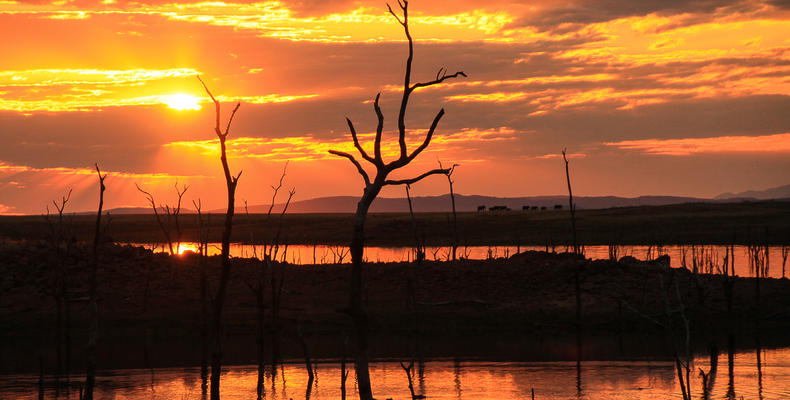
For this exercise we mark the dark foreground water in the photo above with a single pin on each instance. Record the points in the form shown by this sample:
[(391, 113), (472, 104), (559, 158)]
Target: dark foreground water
[(448, 379)]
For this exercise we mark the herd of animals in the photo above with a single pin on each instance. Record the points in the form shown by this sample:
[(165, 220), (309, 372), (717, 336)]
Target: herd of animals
[(523, 208)]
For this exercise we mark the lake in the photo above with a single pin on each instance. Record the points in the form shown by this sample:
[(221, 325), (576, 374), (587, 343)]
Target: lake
[(325, 254), (452, 379)]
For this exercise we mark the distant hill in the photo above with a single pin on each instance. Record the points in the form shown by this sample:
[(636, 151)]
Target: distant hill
[(347, 204), (779, 192)]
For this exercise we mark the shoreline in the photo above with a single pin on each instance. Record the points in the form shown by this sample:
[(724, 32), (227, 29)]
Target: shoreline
[(491, 308)]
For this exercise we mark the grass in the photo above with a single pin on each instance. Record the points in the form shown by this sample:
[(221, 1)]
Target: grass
[(765, 222)]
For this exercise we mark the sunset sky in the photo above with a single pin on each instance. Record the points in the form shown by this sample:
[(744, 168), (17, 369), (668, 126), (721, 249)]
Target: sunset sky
[(663, 97)]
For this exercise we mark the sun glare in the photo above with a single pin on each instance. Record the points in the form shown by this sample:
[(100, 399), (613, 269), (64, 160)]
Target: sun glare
[(182, 102), (187, 247)]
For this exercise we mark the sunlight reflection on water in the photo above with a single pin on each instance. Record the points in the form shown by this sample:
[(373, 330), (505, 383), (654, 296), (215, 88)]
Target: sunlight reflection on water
[(323, 254), (447, 379)]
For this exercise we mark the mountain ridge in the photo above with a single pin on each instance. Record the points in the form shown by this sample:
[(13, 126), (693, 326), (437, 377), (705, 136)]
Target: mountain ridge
[(776, 192), (441, 203)]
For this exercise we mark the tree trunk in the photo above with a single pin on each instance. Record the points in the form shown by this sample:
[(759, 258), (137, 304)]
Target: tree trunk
[(357, 304), (204, 319), (570, 203), (455, 218), (90, 375), (219, 301)]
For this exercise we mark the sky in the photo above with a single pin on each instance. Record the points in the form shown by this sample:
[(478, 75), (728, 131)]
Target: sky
[(650, 97)]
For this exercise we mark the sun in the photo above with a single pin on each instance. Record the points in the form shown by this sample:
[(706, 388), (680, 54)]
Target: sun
[(185, 247), (181, 101)]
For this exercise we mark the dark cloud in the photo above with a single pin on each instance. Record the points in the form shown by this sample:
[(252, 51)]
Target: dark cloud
[(570, 16)]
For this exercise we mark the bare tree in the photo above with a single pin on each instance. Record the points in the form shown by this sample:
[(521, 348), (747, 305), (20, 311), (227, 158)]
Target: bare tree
[(268, 255), (357, 309), (60, 286), (570, 201), (449, 175), (219, 300), (90, 377), (170, 214)]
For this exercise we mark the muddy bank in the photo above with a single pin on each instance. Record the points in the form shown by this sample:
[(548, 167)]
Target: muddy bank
[(520, 307)]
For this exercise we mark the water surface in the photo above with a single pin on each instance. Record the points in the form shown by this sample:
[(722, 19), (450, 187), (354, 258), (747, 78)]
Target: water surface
[(705, 256), (453, 379)]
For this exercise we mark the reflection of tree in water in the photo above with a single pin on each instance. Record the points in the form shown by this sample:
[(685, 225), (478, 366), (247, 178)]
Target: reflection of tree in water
[(457, 375)]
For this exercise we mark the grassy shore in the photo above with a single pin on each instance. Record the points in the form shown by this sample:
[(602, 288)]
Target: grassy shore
[(765, 222)]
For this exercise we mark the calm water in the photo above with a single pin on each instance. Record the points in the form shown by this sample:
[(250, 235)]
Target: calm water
[(443, 379), (308, 254)]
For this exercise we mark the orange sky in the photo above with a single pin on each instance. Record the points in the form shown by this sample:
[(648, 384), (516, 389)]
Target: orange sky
[(657, 97)]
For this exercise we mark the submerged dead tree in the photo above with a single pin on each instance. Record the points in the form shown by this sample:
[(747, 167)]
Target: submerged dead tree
[(170, 214), (571, 205), (90, 375), (60, 288), (450, 181), (357, 309), (219, 300)]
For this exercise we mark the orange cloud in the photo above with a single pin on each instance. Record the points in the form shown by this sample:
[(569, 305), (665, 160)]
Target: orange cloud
[(6, 210), (8, 170), (89, 89), (779, 143), (275, 19), (309, 148)]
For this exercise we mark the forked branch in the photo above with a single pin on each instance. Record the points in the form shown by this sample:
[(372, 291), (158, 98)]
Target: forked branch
[(231, 180), (355, 162)]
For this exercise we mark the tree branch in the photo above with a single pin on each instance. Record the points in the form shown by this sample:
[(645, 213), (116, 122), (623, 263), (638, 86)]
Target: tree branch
[(449, 170), (417, 179), (362, 151), (379, 129), (428, 137), (404, 5), (232, 114), (216, 106), (355, 162), (400, 21), (439, 79)]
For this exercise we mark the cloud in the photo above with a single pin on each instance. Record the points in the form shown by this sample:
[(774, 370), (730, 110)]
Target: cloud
[(779, 143), (571, 14), (57, 90), (285, 21)]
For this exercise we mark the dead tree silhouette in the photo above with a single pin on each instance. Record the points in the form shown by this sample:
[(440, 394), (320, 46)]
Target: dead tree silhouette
[(170, 214), (90, 373), (357, 309), (449, 175), (570, 201), (219, 300), (60, 288)]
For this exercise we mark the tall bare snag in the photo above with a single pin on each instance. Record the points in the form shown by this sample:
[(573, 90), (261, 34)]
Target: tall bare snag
[(570, 201), (90, 375), (357, 308), (219, 300)]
